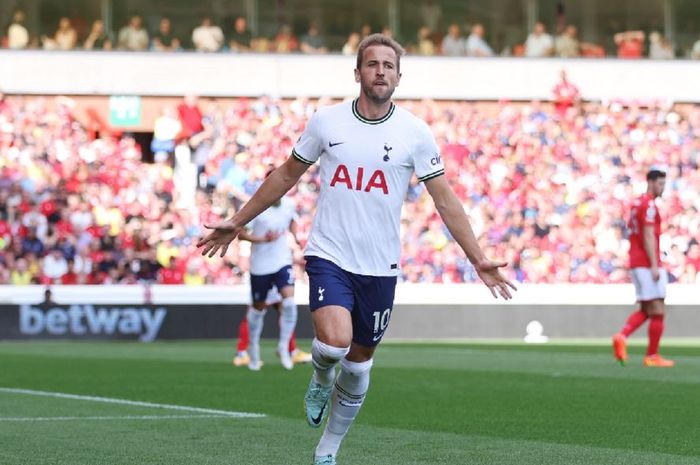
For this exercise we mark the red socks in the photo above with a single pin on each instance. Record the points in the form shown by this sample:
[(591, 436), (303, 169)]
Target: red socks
[(656, 328), (633, 322), (293, 342), (244, 339)]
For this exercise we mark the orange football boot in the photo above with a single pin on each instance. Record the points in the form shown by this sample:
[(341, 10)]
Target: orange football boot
[(620, 348), (658, 361)]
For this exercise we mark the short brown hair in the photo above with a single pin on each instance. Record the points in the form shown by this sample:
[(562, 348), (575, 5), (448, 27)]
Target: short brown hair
[(380, 39)]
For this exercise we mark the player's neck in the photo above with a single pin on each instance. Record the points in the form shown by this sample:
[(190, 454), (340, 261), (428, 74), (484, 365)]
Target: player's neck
[(371, 110)]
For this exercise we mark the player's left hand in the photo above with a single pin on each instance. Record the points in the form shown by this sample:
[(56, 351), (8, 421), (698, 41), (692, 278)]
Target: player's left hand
[(489, 273), (220, 238)]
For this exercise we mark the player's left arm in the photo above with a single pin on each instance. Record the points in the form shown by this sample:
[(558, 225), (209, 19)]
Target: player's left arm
[(454, 216), (649, 242)]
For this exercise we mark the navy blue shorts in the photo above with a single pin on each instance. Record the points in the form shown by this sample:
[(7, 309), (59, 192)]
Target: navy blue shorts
[(260, 284), (369, 299)]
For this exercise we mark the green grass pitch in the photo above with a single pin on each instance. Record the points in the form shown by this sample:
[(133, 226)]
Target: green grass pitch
[(478, 403)]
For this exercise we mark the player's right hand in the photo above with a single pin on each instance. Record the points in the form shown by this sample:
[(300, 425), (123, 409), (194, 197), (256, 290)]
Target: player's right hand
[(223, 233), (655, 274)]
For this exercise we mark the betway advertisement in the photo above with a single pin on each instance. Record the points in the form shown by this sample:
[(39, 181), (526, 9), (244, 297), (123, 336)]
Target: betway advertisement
[(144, 323)]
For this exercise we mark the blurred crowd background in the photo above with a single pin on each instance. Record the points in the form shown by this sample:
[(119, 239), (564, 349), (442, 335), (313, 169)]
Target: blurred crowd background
[(547, 185)]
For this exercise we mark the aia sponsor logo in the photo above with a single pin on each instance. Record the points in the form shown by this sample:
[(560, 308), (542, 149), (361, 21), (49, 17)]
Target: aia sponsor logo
[(359, 180)]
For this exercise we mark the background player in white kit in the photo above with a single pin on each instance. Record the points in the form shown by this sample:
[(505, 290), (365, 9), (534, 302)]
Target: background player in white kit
[(271, 267), (273, 300), (368, 150)]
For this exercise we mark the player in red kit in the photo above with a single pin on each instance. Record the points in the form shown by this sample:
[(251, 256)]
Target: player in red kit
[(648, 275)]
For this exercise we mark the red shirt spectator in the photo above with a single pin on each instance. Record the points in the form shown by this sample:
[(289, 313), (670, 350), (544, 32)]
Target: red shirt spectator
[(190, 117), (630, 44), (566, 95)]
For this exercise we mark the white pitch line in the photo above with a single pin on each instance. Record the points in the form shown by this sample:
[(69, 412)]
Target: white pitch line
[(110, 400), (124, 417)]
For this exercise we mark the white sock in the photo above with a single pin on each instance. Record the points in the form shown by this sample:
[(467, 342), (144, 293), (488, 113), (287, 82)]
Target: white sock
[(324, 358), (346, 399), (288, 321), (256, 319)]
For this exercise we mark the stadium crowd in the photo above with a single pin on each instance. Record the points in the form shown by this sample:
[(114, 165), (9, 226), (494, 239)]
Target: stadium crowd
[(434, 37), (547, 189)]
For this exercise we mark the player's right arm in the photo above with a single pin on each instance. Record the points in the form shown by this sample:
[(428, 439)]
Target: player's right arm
[(272, 189), (306, 151)]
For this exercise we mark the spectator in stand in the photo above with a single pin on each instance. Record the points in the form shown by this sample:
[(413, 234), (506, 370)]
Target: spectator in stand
[(207, 37), (193, 277), (20, 275), (65, 37), (240, 38), (133, 36), (567, 45), (166, 128), (285, 41), (171, 274), (365, 30), (630, 44), (453, 43), (190, 117), (566, 95), (17, 33), (54, 266), (98, 39), (539, 44), (350, 46), (426, 46), (313, 41), (659, 47), (164, 40), (476, 45)]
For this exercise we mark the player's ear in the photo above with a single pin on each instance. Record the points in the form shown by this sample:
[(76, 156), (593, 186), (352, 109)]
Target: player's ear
[(357, 75)]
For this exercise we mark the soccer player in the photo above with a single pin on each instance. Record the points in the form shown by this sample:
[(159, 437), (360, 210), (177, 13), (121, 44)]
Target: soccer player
[(648, 274), (274, 299), (368, 150), (271, 267)]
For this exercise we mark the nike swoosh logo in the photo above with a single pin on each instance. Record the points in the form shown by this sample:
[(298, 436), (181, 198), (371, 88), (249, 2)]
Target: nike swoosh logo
[(376, 338), (317, 420), (331, 144)]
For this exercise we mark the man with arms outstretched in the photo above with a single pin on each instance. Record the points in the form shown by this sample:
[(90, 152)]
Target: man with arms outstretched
[(368, 150)]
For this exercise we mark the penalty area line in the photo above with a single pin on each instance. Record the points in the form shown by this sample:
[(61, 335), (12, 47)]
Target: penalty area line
[(135, 403)]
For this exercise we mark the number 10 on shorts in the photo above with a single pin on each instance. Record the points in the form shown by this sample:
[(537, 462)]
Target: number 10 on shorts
[(381, 320)]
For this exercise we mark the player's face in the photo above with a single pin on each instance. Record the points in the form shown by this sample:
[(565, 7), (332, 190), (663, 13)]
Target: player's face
[(657, 186), (378, 75)]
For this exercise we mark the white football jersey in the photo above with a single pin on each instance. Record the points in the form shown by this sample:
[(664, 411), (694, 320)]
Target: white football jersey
[(365, 168), (270, 257)]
